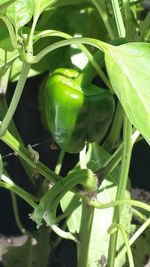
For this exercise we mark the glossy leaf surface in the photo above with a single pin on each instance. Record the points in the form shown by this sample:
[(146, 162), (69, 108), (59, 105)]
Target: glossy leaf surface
[(20, 13)]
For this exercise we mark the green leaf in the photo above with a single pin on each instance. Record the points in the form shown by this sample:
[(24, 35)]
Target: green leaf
[(16, 70), (68, 2), (42, 254), (102, 218), (18, 256), (6, 60), (20, 13), (4, 4), (5, 42), (52, 19), (52, 60), (76, 21), (49, 202), (41, 5), (128, 67), (73, 222), (141, 249)]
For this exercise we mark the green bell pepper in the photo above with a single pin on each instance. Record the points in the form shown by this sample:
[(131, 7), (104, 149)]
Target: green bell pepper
[(73, 109), (74, 114)]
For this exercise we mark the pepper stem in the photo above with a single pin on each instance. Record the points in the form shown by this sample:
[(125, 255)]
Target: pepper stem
[(91, 70), (95, 65)]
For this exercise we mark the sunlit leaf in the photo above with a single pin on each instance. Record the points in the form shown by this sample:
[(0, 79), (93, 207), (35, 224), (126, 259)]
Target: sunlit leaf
[(16, 70), (6, 59), (102, 218), (41, 5), (4, 4), (128, 67), (5, 41), (20, 12)]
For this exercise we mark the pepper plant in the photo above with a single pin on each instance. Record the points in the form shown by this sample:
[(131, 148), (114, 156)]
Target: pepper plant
[(99, 121)]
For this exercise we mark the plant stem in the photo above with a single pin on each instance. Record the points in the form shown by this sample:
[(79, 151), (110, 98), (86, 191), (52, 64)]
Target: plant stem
[(102, 11), (11, 31), (140, 217), (9, 184), (16, 213), (30, 251), (62, 233), (127, 18), (84, 234), (15, 99), (98, 205), (14, 131), (114, 134), (86, 222), (94, 62), (126, 157), (133, 239), (95, 148), (112, 229), (118, 18), (89, 72), (29, 47), (82, 157), (20, 150), (110, 165), (144, 27), (43, 240), (127, 149), (59, 163), (79, 40)]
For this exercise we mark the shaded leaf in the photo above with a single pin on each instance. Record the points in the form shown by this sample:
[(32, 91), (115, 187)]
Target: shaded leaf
[(76, 20), (52, 60), (18, 256), (141, 249), (69, 2)]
